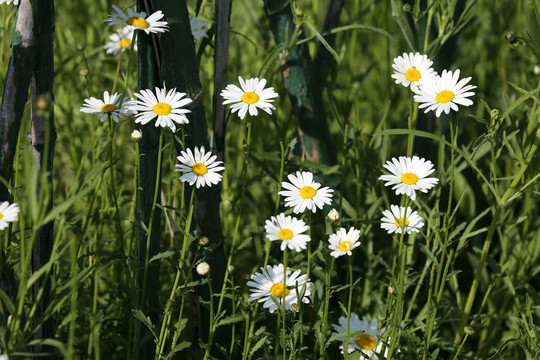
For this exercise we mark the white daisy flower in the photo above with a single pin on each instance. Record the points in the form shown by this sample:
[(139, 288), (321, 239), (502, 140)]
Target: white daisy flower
[(165, 104), (444, 92), (15, 2), (409, 175), (401, 218), (197, 27), (251, 96), (120, 41), (268, 287), (138, 20), (289, 230), (8, 213), (366, 342), (302, 192), (343, 242), (110, 105), (412, 69), (200, 167)]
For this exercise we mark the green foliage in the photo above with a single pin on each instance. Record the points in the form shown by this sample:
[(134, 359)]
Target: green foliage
[(494, 196)]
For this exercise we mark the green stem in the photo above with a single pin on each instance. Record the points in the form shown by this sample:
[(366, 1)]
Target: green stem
[(283, 316), (413, 114), (489, 238), (164, 332), (349, 304), (327, 283)]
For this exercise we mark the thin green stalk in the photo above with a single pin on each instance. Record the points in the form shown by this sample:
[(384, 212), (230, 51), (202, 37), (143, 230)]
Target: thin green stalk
[(461, 346), (116, 75), (211, 333), (251, 327), (283, 295), (164, 332), (149, 233), (411, 122), (349, 304), (489, 237), (448, 215), (131, 49), (428, 312), (416, 290), (398, 315), (327, 283)]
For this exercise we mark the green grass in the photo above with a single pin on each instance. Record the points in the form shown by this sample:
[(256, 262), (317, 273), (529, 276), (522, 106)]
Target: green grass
[(93, 268)]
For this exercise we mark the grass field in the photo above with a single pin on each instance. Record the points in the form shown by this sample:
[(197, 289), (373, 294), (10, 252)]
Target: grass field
[(122, 278)]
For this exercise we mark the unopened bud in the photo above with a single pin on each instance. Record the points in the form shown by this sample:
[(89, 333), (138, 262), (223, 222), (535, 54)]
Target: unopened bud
[(391, 290), (468, 330), (333, 216), (81, 46), (510, 36), (407, 8), (495, 114), (136, 135), (231, 269), (203, 268), (203, 241), (295, 307), (83, 72), (536, 70), (9, 319), (43, 104), (381, 317)]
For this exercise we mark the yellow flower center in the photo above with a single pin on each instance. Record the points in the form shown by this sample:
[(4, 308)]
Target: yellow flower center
[(345, 245), (199, 168), (108, 107), (278, 289), (444, 96), (124, 43), (413, 75), (409, 178), (162, 109), (285, 234), (399, 222), (250, 97), (365, 341), (138, 22), (1, 216), (307, 192)]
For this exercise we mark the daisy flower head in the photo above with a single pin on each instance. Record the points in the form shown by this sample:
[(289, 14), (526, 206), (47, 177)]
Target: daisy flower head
[(250, 96), (166, 105), (267, 287), (109, 106), (444, 92), (8, 214), (138, 20), (409, 175), (412, 69), (200, 167), (120, 41), (343, 242), (197, 27), (366, 342), (304, 193), (289, 230), (401, 219)]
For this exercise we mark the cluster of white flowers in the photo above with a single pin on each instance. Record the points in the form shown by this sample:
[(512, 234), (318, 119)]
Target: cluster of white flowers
[(434, 92)]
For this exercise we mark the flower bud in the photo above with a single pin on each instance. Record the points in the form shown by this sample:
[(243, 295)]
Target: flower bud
[(42, 104), (231, 269), (203, 241), (536, 70), (295, 307), (510, 36), (333, 216), (468, 330), (407, 8), (83, 72), (203, 268), (136, 135), (81, 46)]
